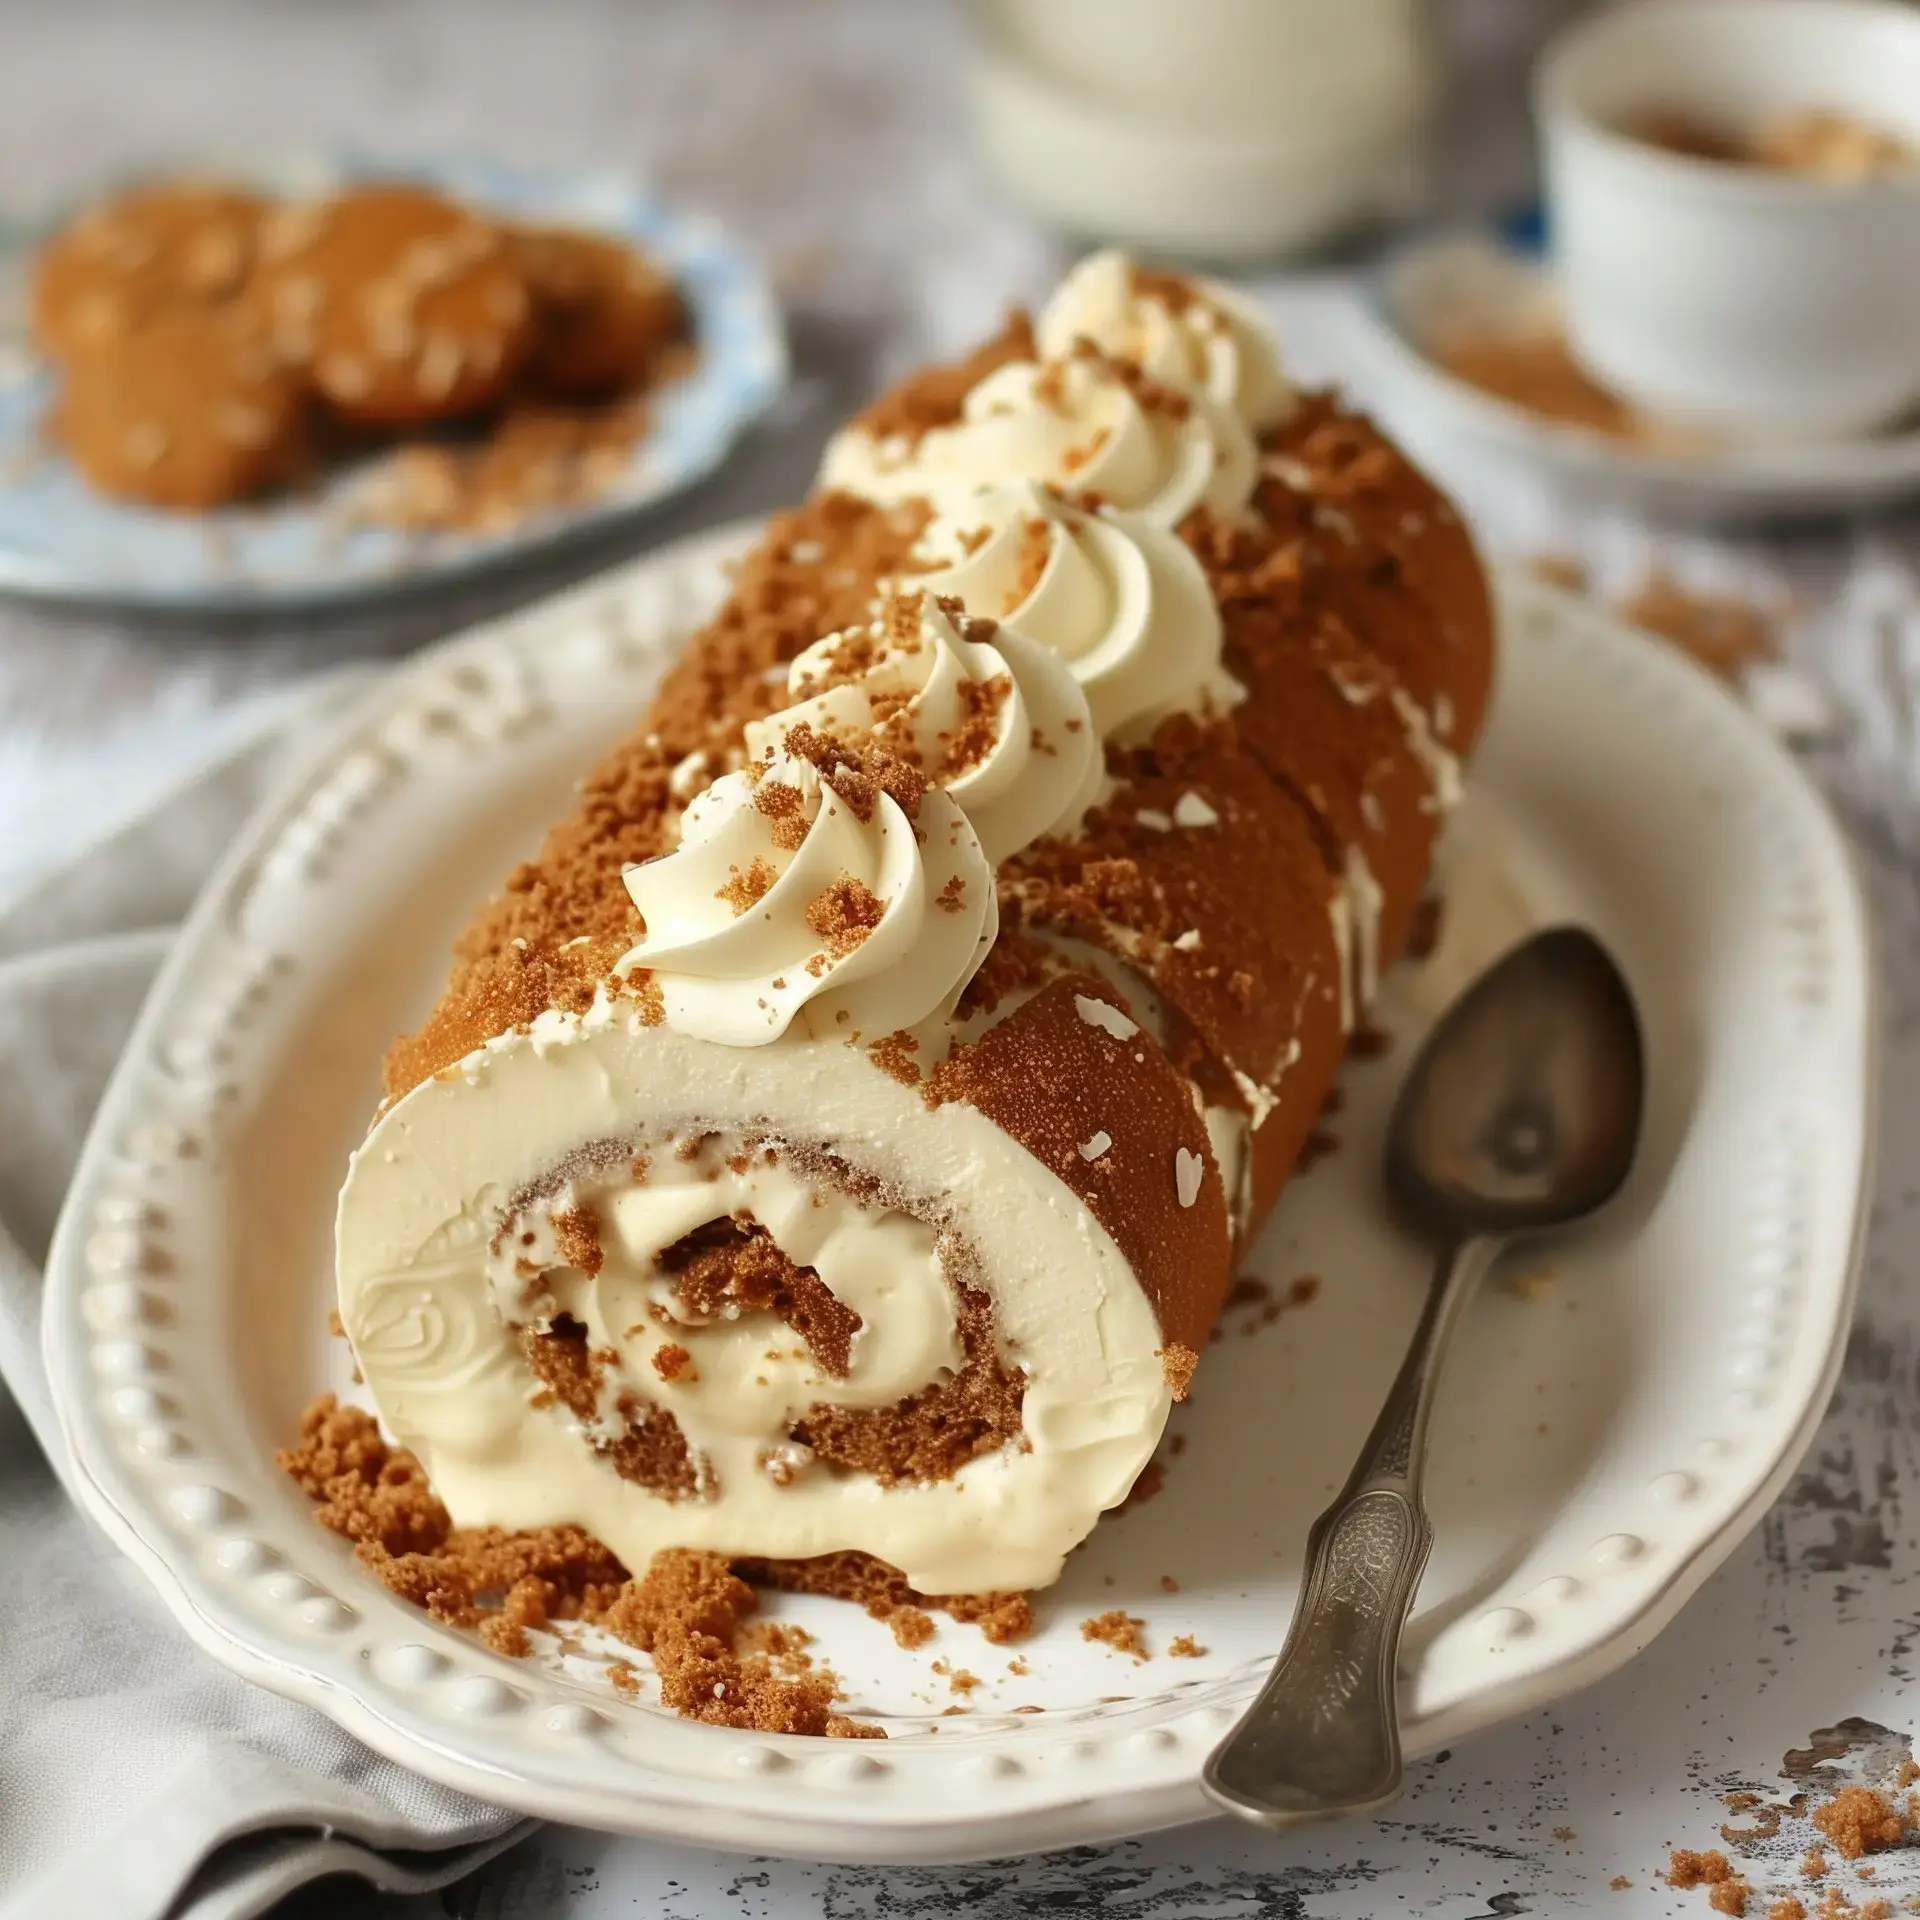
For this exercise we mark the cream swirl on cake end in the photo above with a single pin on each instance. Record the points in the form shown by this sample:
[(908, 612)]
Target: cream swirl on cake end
[(798, 894), (1187, 332), (1119, 598), (990, 715), (1086, 423)]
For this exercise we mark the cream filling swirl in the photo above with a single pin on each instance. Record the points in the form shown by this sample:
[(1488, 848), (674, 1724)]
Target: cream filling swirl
[(788, 901), (1190, 333), (1121, 599), (990, 715), (1084, 423), (445, 1167), (745, 1379)]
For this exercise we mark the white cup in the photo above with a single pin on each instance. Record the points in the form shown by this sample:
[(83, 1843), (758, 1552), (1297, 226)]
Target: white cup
[(1246, 64), (1220, 130), (1763, 304)]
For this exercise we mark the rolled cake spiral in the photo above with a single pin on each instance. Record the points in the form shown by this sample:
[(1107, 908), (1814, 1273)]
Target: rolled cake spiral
[(837, 1138)]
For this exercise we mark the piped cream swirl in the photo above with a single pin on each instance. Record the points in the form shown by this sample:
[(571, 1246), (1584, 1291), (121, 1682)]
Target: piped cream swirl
[(995, 718), (1189, 333), (1119, 597), (1084, 423), (793, 899)]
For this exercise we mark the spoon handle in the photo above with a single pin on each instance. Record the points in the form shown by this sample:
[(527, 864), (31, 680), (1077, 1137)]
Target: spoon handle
[(1323, 1737)]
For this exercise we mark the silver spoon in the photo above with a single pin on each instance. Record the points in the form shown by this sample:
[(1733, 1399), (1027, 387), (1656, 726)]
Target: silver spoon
[(1521, 1114)]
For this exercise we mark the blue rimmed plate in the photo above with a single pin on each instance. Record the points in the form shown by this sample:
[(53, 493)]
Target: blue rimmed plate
[(59, 539)]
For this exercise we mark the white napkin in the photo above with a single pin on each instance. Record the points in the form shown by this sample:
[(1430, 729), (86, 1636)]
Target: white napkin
[(137, 1777)]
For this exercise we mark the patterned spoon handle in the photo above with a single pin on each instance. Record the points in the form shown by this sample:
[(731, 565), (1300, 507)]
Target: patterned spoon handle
[(1323, 1738)]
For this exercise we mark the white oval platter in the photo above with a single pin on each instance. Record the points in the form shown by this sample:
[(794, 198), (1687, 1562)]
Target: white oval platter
[(1613, 1421)]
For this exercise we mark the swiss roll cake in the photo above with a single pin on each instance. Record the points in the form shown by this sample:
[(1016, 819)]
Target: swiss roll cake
[(835, 1144)]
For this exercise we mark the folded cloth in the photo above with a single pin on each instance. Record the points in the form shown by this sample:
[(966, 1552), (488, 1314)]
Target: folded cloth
[(137, 1777)]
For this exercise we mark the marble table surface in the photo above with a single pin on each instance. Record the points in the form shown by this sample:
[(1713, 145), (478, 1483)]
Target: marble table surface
[(829, 135)]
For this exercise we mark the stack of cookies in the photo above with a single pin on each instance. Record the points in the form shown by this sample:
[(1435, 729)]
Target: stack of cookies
[(214, 343)]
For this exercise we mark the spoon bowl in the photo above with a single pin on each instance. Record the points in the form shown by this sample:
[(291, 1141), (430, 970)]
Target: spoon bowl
[(1523, 1109)]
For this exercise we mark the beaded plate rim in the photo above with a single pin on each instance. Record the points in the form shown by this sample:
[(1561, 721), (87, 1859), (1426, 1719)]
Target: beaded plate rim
[(283, 1605)]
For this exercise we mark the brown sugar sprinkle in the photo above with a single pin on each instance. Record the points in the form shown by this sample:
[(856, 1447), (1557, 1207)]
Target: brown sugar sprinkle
[(1146, 1486), (1688, 1869), (1153, 396), (1077, 458), (687, 1611), (953, 896), (858, 650), (934, 397), (779, 1638), (1036, 549), (1788, 1906), (786, 807), (335, 1325), (1168, 1584), (1858, 1821), (900, 619), (896, 1055), (1252, 1292), (860, 775), (1178, 1363), (882, 1591), (747, 886), (673, 1362), (1813, 1863), (1184, 1646), (1724, 633), (1619, 1883), (577, 1234), (843, 913), (1764, 1825), (1118, 1630), (912, 1626), (982, 703)]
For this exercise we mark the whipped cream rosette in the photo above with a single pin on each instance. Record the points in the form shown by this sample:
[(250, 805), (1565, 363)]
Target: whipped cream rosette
[(991, 716), (1086, 422), (826, 895), (1120, 599), (836, 1140), (1184, 332)]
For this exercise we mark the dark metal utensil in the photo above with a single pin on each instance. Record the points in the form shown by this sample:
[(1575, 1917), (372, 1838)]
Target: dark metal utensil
[(1521, 1114)]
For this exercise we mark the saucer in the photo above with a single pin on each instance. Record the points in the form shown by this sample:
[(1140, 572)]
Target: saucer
[(1483, 282)]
